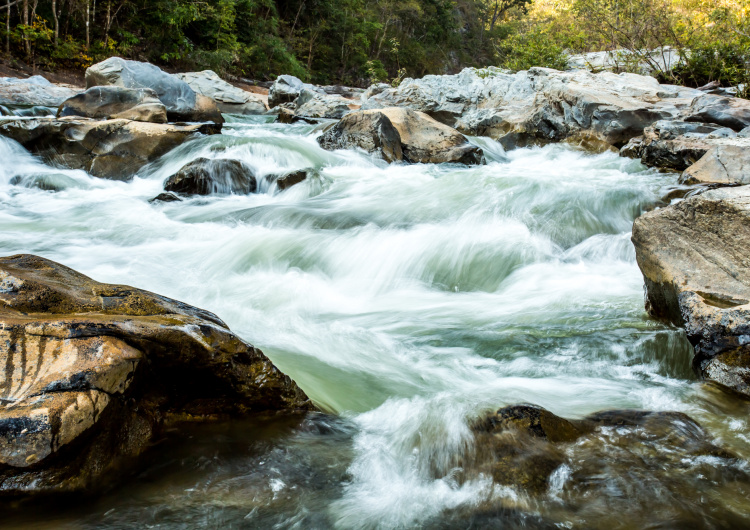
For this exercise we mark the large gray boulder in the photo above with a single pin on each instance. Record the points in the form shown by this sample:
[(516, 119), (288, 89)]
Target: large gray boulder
[(313, 104), (695, 263), (113, 149), (213, 176), (541, 105), (726, 111), (285, 89), (33, 91), (181, 101), (397, 134), (93, 372), (112, 102), (230, 99)]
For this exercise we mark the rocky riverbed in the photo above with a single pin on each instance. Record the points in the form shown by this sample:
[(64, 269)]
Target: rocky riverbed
[(414, 258)]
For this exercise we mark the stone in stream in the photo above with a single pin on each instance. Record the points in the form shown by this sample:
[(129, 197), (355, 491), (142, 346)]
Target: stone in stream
[(290, 179), (726, 111), (212, 176), (112, 102), (181, 101), (397, 134), (229, 98), (93, 372), (113, 149), (524, 445), (694, 259), (722, 164), (33, 91), (166, 197)]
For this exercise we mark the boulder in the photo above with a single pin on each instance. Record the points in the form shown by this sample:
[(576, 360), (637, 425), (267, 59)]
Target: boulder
[(112, 102), (212, 176), (285, 89), (166, 197), (32, 91), (113, 149), (727, 164), (93, 372), (676, 144), (694, 260), (311, 104), (230, 99), (540, 105), (726, 111), (287, 116), (401, 135), (181, 101)]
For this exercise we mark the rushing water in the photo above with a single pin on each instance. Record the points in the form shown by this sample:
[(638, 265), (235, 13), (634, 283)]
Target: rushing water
[(408, 300)]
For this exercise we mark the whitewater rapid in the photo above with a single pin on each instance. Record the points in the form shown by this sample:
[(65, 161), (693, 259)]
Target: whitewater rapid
[(406, 299)]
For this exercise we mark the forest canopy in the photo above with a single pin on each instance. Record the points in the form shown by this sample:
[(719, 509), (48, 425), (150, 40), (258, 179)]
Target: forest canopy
[(358, 42)]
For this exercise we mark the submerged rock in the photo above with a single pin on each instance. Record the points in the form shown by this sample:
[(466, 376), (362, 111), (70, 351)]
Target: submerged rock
[(112, 102), (32, 91), (694, 260), (113, 149), (229, 98), (401, 135), (524, 446), (166, 197), (181, 101), (93, 371), (212, 176)]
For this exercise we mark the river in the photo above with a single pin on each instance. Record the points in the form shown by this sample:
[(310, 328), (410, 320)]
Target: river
[(407, 300)]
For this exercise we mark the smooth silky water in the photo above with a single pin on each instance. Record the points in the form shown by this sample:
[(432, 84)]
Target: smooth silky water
[(408, 300)]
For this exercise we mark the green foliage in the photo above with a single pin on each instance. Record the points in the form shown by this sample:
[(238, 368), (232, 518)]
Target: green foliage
[(534, 47)]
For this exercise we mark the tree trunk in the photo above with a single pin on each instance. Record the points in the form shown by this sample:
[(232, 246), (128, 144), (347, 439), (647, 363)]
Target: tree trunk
[(7, 29), (57, 21), (109, 21), (26, 43), (88, 16)]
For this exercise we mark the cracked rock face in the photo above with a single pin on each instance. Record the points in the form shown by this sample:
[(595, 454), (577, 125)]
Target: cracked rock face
[(91, 372), (695, 262), (111, 102)]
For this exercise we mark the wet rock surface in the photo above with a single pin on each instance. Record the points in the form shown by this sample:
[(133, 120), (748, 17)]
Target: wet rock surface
[(113, 149), (181, 101), (529, 448), (94, 371), (312, 104), (694, 260), (137, 104), (212, 176), (397, 134), (229, 98)]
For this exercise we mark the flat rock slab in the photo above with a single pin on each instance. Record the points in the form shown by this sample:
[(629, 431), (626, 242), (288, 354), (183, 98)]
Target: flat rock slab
[(695, 262), (92, 371)]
